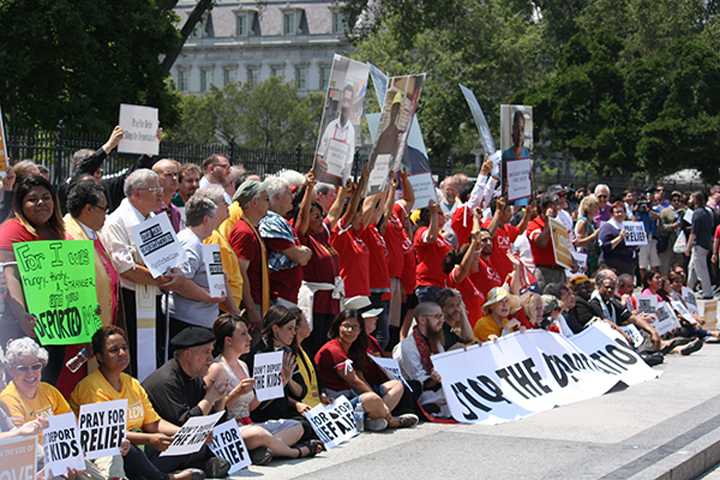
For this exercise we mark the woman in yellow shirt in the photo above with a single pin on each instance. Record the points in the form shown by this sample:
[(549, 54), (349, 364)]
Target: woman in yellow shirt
[(497, 308)]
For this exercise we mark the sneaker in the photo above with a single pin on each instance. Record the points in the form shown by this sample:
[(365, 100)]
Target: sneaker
[(216, 467), (692, 347), (407, 420), (376, 424)]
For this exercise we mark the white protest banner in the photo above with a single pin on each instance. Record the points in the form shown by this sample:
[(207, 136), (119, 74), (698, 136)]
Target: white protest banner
[(102, 428), (519, 179), (709, 313), (158, 245), (267, 372), (390, 368), (192, 436), (214, 269), (679, 307), (3, 148), (341, 411), (560, 242), (61, 445), (229, 444), (647, 304), (140, 125), (17, 458), (666, 320), (340, 125), (635, 234), (690, 300)]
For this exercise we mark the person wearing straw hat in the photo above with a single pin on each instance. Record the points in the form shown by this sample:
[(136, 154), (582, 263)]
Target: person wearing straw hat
[(498, 307)]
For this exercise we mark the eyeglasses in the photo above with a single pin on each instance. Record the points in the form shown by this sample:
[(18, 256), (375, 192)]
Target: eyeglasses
[(26, 368), (223, 165), (150, 189), (104, 209), (350, 328), (437, 317), (602, 196)]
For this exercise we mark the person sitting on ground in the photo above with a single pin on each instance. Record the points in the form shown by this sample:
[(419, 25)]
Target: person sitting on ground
[(459, 264), (341, 363), (413, 355), (457, 331), (532, 307), (316, 392), (552, 309), (265, 440), (566, 322), (497, 309)]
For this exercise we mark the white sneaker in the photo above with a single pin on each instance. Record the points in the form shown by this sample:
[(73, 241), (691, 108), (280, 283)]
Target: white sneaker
[(376, 424), (408, 420)]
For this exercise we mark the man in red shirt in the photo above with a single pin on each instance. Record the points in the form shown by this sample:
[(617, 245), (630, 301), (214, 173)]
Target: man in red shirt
[(504, 234), (487, 276), (547, 270)]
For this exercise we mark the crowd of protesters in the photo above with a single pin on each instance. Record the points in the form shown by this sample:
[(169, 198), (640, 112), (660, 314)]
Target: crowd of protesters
[(330, 278)]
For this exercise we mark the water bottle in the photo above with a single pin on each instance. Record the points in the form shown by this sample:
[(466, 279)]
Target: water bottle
[(359, 415), (77, 361)]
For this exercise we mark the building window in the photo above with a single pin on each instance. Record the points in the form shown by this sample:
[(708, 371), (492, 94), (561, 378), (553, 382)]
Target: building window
[(229, 76), (289, 23), (184, 80), (338, 22), (241, 26), (206, 79), (301, 77), (253, 76), (277, 70), (324, 77)]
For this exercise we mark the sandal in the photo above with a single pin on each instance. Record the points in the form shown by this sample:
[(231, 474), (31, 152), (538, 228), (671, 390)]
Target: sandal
[(314, 447)]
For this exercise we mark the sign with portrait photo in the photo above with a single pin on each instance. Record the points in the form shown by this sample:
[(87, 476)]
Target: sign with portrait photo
[(516, 143)]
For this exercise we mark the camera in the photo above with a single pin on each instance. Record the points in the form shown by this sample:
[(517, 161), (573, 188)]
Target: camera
[(641, 206)]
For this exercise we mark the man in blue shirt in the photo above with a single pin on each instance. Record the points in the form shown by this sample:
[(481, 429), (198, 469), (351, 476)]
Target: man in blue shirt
[(699, 244)]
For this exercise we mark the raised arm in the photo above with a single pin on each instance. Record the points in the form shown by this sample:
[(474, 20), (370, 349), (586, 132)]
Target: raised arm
[(469, 257), (303, 219), (356, 196)]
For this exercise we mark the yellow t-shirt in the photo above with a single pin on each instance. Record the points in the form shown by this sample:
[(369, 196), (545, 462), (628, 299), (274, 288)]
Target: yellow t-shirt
[(486, 326), (95, 388), (236, 212), (310, 378), (48, 401), (230, 265)]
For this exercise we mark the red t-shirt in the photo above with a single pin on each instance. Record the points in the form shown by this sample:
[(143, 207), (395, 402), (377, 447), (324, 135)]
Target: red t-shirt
[(375, 242), (247, 247), (471, 296), (486, 277), (331, 359), (520, 317), (430, 259), (13, 232), (408, 277), (541, 256), (372, 372), (394, 240), (717, 232), (322, 268), (354, 260), (504, 238), (462, 223)]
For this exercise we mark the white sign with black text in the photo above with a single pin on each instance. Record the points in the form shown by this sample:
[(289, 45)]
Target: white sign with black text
[(267, 372), (140, 126), (193, 435), (158, 245), (102, 428)]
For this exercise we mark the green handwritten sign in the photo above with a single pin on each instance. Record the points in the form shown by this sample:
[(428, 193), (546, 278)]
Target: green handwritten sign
[(58, 278)]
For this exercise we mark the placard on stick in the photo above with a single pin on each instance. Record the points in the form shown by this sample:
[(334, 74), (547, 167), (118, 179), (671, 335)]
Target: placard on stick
[(158, 245), (229, 444), (191, 436), (61, 445), (17, 458), (102, 428), (140, 126), (267, 372), (58, 280), (214, 269)]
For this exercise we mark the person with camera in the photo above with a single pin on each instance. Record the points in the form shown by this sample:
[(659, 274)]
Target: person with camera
[(648, 257)]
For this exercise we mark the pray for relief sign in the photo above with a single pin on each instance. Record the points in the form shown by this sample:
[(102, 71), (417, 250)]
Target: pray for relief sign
[(58, 280), (102, 428)]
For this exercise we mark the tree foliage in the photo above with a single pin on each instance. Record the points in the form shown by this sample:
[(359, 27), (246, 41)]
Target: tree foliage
[(269, 115)]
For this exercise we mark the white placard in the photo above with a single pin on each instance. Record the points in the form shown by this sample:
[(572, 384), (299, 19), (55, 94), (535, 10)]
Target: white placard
[(267, 372), (158, 245), (423, 189), (635, 234), (140, 125), (391, 369), (192, 436), (214, 269), (61, 445), (324, 427), (381, 171), (633, 333), (666, 319), (18, 458), (580, 259), (647, 304), (341, 411), (688, 215), (102, 428), (679, 307), (519, 182), (690, 300), (229, 444)]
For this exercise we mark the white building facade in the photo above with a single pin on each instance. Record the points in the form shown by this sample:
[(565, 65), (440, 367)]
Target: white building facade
[(249, 41)]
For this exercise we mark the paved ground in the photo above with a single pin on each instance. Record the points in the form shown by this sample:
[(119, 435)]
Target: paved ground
[(667, 428)]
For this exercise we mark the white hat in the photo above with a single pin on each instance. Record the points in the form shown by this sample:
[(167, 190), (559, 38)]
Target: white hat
[(363, 305)]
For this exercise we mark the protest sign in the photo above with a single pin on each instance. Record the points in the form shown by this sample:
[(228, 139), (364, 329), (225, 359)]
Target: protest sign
[(690, 301), (560, 243), (666, 319), (340, 125), (390, 368), (325, 427), (525, 373), (3, 147), (102, 428), (341, 411), (580, 259), (58, 280), (229, 444), (516, 143), (633, 332), (158, 245), (214, 269), (192, 436), (709, 313), (140, 125), (401, 98), (635, 234), (267, 372), (647, 304), (519, 179), (688, 215), (679, 307), (17, 458), (61, 445)]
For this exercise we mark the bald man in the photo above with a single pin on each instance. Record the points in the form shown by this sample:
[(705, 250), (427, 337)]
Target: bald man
[(167, 171)]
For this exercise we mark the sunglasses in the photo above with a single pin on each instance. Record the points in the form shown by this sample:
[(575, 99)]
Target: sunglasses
[(26, 368)]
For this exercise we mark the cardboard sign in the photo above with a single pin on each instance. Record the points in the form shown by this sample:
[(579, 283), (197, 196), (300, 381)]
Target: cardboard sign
[(516, 143), (560, 243), (58, 280), (709, 313), (214, 269), (102, 428), (519, 179), (391, 368), (666, 319), (229, 444), (17, 458), (158, 245), (635, 234), (3, 147), (140, 125), (267, 372), (61, 445), (192, 436)]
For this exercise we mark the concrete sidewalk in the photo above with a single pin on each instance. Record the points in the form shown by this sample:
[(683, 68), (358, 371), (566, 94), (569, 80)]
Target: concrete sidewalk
[(667, 428)]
